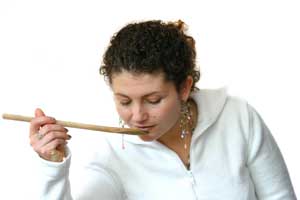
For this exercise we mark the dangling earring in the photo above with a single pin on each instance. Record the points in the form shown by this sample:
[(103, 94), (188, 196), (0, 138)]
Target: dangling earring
[(122, 125), (185, 121)]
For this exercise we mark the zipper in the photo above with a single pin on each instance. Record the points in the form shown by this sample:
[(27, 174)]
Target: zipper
[(193, 182), (190, 176)]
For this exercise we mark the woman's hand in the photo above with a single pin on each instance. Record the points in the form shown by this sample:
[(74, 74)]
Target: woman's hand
[(47, 138)]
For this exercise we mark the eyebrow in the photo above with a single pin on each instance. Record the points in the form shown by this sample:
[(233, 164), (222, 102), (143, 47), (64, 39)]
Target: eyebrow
[(146, 95)]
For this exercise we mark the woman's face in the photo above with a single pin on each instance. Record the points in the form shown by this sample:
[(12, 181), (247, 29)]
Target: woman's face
[(146, 102)]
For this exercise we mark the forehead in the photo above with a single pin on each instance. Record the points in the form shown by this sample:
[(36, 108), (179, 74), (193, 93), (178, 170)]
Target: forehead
[(140, 84)]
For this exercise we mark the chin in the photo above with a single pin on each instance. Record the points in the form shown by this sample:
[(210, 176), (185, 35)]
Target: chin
[(147, 138)]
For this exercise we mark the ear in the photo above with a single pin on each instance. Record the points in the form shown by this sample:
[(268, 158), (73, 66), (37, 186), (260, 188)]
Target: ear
[(186, 87)]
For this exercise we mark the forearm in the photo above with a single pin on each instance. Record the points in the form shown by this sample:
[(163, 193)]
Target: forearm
[(90, 182), (54, 179)]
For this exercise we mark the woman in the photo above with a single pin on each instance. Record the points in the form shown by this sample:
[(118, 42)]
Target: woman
[(201, 144)]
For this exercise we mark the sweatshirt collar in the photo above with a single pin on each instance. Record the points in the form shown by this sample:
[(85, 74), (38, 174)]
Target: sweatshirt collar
[(210, 105)]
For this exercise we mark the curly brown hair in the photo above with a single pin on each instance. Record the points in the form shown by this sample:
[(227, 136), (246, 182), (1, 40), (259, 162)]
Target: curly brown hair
[(152, 47)]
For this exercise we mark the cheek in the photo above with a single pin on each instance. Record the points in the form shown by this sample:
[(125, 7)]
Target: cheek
[(169, 114), (123, 113)]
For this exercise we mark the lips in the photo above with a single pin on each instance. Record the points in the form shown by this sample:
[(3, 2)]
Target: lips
[(144, 128)]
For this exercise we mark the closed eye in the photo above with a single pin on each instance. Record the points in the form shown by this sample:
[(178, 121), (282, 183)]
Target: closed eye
[(154, 101), (125, 103)]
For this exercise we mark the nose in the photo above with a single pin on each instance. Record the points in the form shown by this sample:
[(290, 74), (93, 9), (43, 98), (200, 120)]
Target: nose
[(139, 114)]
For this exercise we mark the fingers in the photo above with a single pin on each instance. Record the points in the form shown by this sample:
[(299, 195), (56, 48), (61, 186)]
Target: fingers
[(39, 121), (54, 139), (39, 113), (45, 150), (47, 138), (44, 130)]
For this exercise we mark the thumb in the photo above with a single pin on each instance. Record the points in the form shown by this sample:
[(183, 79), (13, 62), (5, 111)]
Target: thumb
[(39, 113)]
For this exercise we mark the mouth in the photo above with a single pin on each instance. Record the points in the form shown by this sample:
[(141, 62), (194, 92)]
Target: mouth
[(145, 128)]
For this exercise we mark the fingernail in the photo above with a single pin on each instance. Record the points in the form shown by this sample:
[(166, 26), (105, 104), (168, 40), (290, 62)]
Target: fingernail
[(66, 129), (69, 136)]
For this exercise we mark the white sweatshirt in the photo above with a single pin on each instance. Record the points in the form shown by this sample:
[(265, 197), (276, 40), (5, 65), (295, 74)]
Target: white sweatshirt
[(233, 157)]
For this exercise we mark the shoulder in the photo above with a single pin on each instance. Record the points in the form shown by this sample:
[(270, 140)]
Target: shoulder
[(212, 103), (220, 109)]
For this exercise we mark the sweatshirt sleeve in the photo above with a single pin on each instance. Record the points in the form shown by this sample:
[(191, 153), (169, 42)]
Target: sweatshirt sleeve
[(92, 182), (266, 164)]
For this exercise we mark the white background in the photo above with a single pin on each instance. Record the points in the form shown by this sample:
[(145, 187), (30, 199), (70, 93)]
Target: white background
[(50, 53)]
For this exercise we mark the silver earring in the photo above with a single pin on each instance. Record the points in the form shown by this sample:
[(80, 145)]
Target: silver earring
[(185, 121), (122, 125)]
